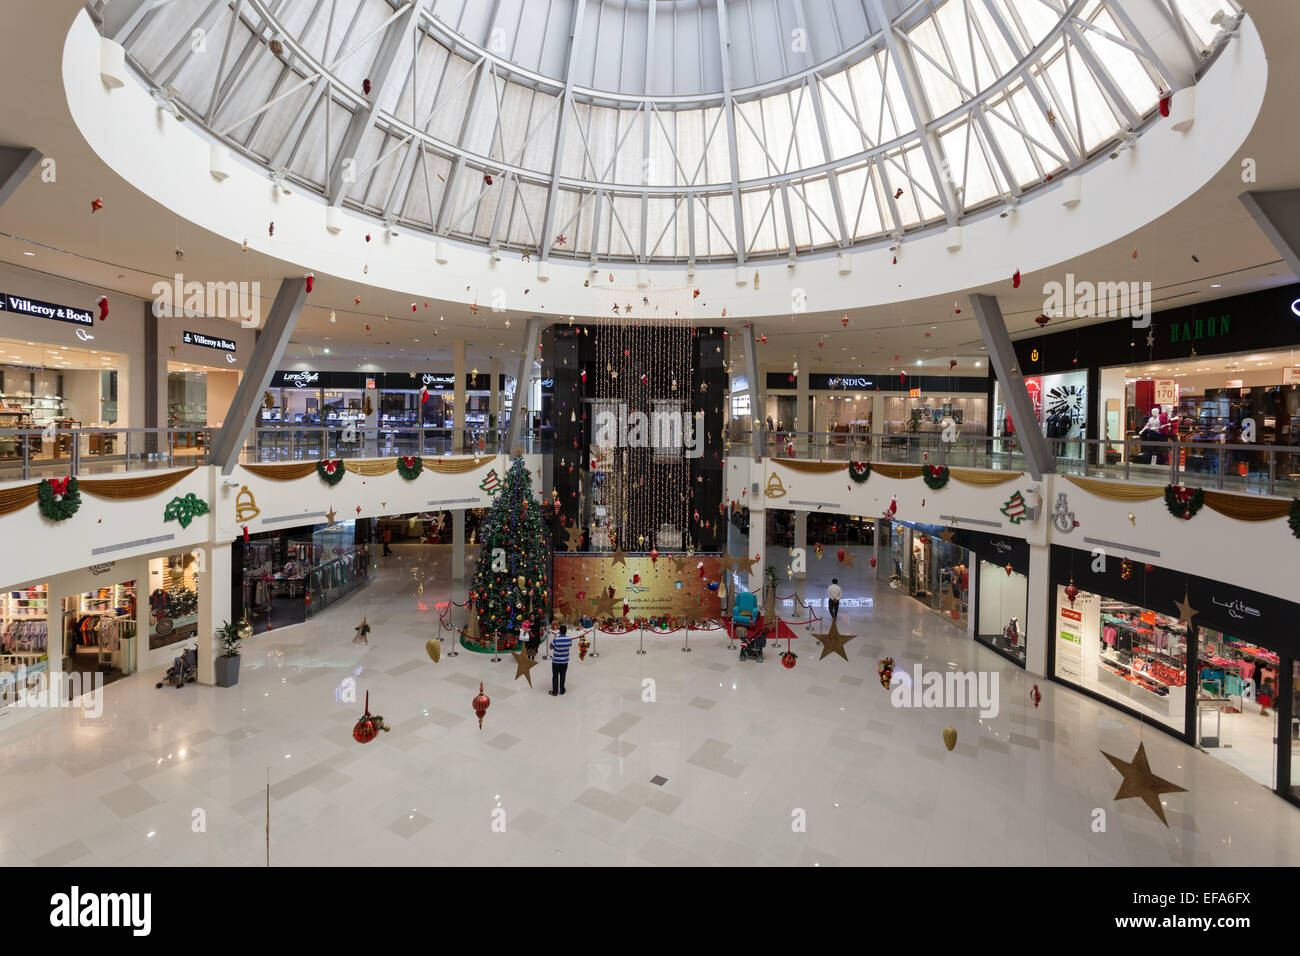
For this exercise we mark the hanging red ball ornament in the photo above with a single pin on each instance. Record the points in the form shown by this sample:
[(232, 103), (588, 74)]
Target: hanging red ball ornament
[(840, 555), (1035, 696), (788, 659), (873, 562), (481, 703), (654, 557), (368, 727)]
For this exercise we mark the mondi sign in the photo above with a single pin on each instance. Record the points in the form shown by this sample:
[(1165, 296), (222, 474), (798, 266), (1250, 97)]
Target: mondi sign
[(1110, 300), (222, 300), (664, 429)]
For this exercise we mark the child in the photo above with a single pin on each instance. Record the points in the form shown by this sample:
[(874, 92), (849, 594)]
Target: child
[(1267, 691)]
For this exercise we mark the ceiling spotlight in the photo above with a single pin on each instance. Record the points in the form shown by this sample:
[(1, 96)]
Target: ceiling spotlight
[(280, 180), (390, 227), (166, 99), (1126, 141), (1010, 205)]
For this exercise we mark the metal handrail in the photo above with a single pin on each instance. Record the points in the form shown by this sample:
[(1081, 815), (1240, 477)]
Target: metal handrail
[(152, 448)]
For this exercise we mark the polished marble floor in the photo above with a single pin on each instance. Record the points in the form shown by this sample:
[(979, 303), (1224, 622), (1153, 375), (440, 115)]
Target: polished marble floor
[(718, 769)]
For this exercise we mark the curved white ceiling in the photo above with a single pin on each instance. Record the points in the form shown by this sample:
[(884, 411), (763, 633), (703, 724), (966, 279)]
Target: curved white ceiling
[(654, 131)]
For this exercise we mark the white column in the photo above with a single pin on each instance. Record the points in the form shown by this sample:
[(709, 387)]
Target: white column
[(757, 536), (371, 431), (802, 420), (214, 606), (1038, 628), (494, 405), (801, 540), (458, 442), (458, 544)]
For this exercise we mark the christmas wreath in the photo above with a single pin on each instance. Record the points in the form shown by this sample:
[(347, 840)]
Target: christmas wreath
[(410, 468), (330, 470), (1183, 502), (59, 498), (1294, 518), (859, 471), (936, 476)]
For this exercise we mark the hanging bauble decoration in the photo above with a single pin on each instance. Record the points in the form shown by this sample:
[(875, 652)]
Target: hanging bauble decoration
[(949, 734), (481, 704), (363, 632), (434, 648), (1125, 569), (788, 659), (654, 557), (369, 726), (885, 669), (1071, 592), (1035, 696)]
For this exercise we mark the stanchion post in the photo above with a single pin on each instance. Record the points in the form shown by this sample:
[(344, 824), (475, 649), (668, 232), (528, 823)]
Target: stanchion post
[(593, 643), (731, 635), (495, 639), (641, 641), (686, 645), (454, 641)]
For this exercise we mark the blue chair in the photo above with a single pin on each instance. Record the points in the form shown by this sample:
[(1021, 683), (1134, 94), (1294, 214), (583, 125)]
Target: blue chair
[(745, 610)]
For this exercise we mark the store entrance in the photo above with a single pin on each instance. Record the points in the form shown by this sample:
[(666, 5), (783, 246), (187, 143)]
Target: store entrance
[(99, 630), (1237, 703)]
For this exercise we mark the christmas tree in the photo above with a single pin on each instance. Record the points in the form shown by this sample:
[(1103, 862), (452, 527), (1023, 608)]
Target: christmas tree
[(514, 543)]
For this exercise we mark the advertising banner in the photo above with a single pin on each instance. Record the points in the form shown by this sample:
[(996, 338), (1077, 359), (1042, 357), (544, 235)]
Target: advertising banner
[(674, 585)]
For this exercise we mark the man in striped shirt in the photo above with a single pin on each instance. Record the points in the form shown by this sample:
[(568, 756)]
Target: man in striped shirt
[(560, 644)]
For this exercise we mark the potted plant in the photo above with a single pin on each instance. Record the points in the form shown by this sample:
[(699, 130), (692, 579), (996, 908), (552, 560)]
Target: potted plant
[(227, 664)]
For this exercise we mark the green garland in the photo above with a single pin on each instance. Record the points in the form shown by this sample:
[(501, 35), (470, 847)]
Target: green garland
[(936, 476), (333, 477), (410, 468), (1294, 518), (62, 508), (1186, 509), (859, 471)]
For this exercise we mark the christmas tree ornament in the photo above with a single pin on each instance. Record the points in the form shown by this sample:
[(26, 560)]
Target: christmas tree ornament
[(1071, 592), (524, 663), (1183, 502), (58, 498), (368, 727), (363, 632), (1140, 782), (1125, 569), (1015, 508), (96, 205), (365, 87), (1035, 696), (1185, 610), (885, 670), (832, 641), (949, 737), (310, 278), (102, 302), (481, 704), (788, 659), (1015, 284), (433, 647)]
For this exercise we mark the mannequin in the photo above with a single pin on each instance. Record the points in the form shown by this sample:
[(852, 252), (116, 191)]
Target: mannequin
[(1012, 631)]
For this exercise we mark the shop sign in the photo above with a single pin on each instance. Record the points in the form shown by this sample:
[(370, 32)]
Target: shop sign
[(1238, 610), (1166, 391), (98, 569), (856, 381), (914, 393), (1291, 376), (370, 384), (300, 379), (1193, 330), (438, 383), (207, 341), (45, 310)]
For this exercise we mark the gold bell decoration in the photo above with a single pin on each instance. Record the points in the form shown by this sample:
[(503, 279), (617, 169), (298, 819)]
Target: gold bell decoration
[(434, 647), (949, 737), (419, 588), (246, 508), (245, 630)]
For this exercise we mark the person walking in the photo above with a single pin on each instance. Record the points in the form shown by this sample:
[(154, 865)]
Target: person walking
[(560, 644), (387, 539), (833, 595)]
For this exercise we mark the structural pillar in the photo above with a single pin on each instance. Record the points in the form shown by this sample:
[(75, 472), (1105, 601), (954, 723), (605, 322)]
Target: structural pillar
[(458, 442), (803, 445), (801, 541), (214, 606), (1038, 627), (371, 429), (458, 544), (494, 407), (757, 544)]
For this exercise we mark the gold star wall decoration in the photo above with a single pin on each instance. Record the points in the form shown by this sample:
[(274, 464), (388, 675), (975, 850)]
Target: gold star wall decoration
[(574, 536), (1140, 782), (1185, 610)]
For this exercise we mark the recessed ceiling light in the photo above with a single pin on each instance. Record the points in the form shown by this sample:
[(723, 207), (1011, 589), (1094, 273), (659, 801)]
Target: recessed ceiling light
[(29, 253), (1216, 285)]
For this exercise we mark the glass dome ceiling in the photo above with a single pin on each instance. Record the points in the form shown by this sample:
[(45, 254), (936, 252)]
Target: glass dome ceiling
[(667, 130)]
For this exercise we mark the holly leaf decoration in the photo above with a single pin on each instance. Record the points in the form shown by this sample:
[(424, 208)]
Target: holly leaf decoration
[(186, 509)]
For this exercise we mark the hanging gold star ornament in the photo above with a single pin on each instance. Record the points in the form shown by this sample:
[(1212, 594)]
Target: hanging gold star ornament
[(330, 515), (363, 632), (833, 641), (523, 665), (620, 556), (1185, 610), (574, 539), (848, 559), (1139, 781), (947, 535)]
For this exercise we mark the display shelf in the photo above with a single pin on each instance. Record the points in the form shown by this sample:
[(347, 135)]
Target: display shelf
[(1107, 659)]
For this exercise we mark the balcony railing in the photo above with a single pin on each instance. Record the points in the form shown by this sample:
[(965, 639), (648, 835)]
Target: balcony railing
[(1254, 469)]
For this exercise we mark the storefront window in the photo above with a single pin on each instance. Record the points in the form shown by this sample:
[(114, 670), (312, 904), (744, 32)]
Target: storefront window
[(99, 631), (1123, 652), (289, 576), (24, 641), (173, 599), (1003, 609), (1237, 704)]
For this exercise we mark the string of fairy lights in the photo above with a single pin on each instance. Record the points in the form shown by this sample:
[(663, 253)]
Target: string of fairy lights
[(644, 348)]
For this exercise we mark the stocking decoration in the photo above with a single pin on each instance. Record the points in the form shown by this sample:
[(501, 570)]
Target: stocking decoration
[(102, 302)]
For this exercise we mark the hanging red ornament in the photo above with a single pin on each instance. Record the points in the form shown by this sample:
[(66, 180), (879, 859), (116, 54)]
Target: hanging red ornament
[(1035, 696), (899, 194), (873, 562), (481, 703), (365, 87), (636, 579), (1008, 569), (1042, 320), (1071, 592), (270, 230), (1165, 100), (310, 278), (788, 659), (369, 726), (952, 364), (839, 554), (96, 205), (654, 557), (245, 534), (487, 179), (1015, 279), (102, 302)]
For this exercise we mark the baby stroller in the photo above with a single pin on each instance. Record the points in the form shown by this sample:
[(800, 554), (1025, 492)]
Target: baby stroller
[(184, 669), (752, 642)]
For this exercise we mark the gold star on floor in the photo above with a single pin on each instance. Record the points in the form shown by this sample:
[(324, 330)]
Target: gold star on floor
[(848, 559), (574, 536), (833, 641), (330, 514), (1139, 781), (1185, 610), (620, 556), (523, 665)]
